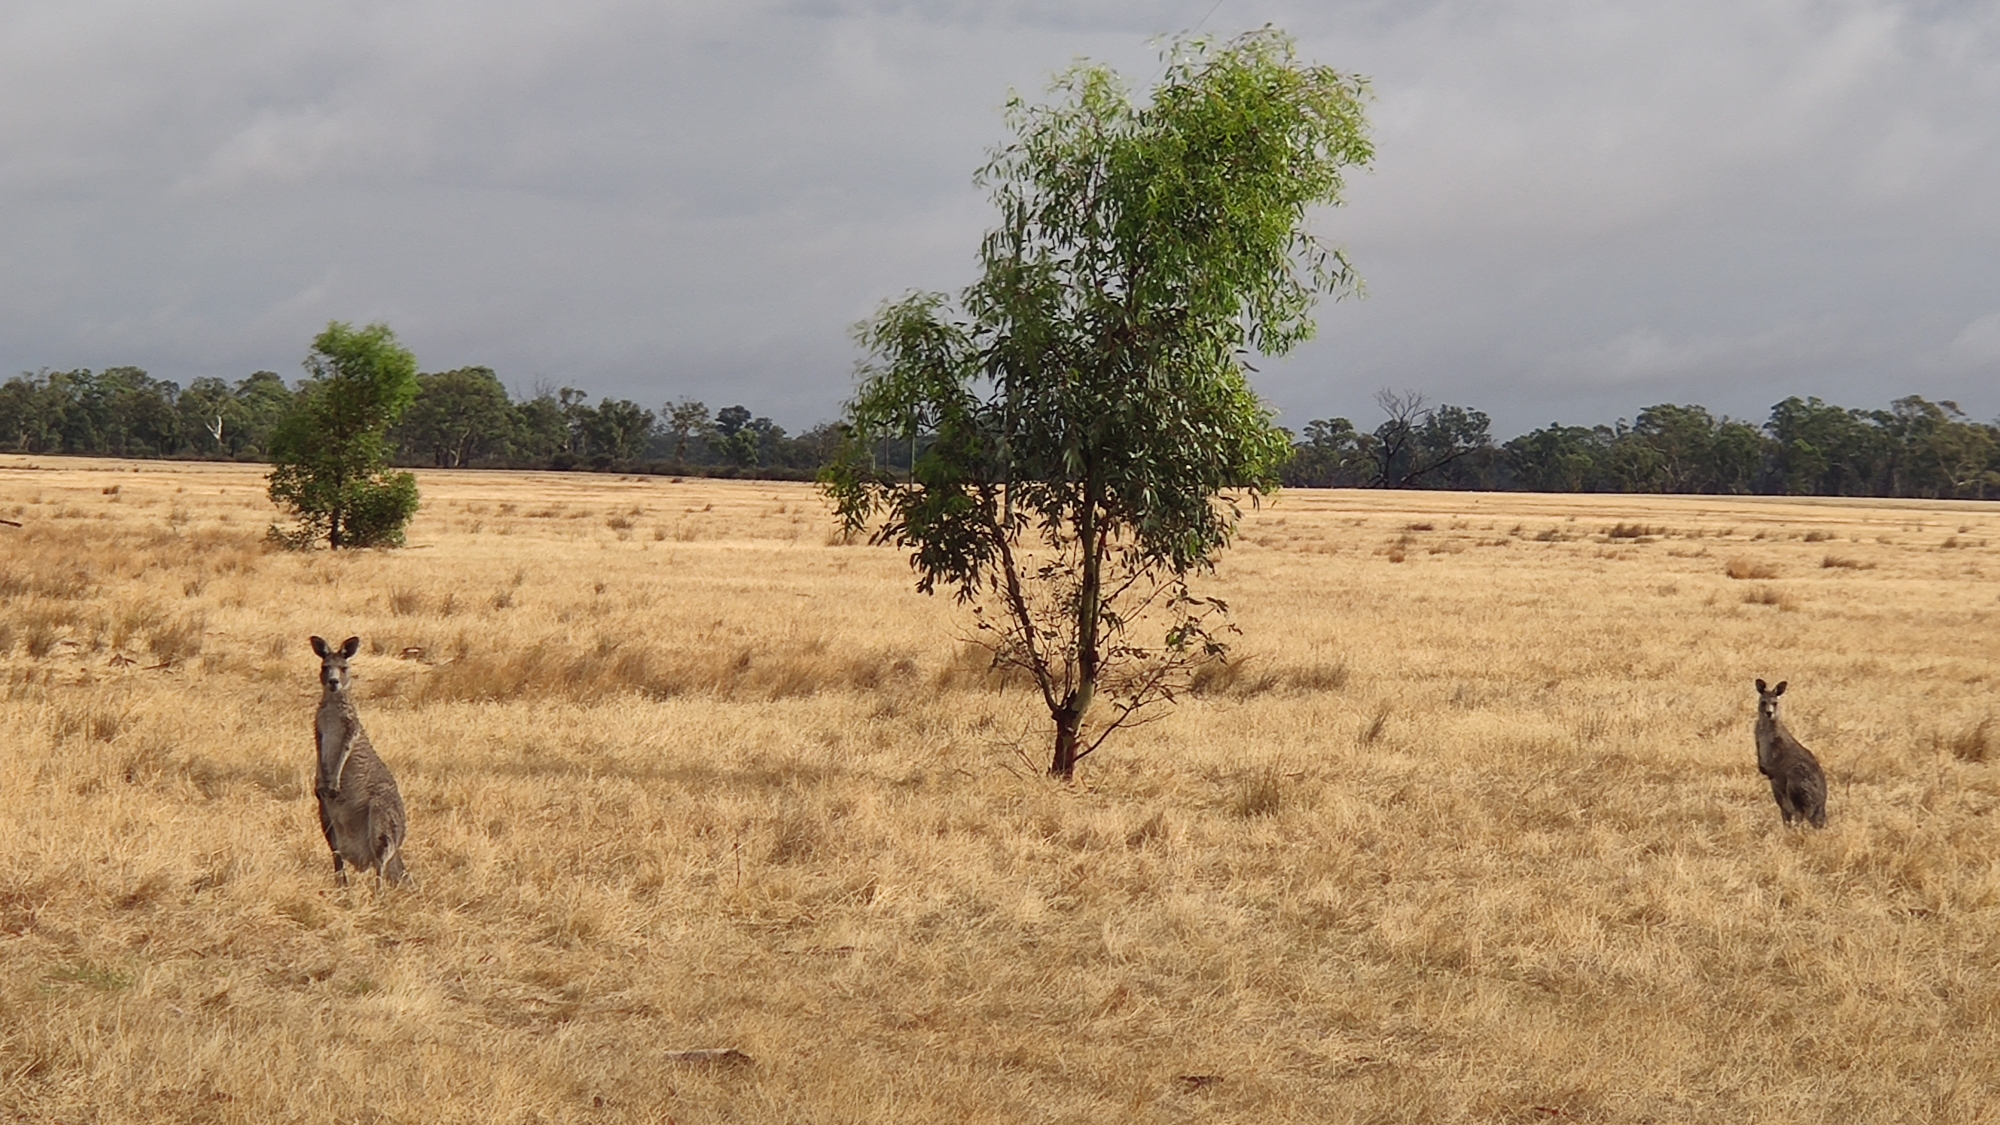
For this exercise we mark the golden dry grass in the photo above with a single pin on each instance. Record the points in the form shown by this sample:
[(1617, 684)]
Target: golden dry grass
[(1470, 831)]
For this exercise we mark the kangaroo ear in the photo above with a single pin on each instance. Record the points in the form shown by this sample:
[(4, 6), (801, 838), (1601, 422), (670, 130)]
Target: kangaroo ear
[(352, 645), (1780, 689), (319, 646), (1761, 689)]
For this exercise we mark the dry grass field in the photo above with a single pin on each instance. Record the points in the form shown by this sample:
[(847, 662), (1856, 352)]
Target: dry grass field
[(1471, 830)]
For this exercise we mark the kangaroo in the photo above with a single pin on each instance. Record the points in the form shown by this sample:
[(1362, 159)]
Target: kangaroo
[(1796, 779), (359, 808)]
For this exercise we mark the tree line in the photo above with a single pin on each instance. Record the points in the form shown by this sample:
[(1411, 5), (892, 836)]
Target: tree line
[(466, 418), (1806, 447)]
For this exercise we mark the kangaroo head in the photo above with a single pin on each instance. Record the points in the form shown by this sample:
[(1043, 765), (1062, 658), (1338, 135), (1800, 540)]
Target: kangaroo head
[(333, 672), (1767, 699)]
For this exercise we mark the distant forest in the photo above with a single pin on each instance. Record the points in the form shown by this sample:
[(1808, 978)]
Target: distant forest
[(467, 419), (460, 419)]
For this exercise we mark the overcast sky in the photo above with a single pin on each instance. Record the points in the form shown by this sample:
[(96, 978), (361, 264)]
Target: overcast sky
[(1577, 209)]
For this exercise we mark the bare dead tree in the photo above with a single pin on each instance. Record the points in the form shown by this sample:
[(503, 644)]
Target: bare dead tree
[(1419, 439)]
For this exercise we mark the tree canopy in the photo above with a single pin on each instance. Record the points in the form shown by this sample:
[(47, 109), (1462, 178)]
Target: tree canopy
[(330, 455), (458, 415)]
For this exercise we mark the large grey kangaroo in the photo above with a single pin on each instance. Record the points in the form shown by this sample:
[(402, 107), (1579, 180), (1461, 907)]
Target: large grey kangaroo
[(359, 808), (1796, 779)]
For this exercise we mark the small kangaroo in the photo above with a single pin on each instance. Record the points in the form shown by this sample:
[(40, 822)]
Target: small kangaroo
[(359, 808), (1796, 779)]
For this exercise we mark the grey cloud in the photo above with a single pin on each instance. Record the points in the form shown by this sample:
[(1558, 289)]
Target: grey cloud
[(1642, 355), (1978, 343), (1756, 200), (1578, 208)]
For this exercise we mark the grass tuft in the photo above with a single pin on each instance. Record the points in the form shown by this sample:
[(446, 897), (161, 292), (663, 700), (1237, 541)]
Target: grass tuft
[(1372, 732), (1241, 678), (95, 977), (1743, 568), (1257, 795), (1772, 596), (174, 641), (1152, 830), (1623, 530), (1974, 743)]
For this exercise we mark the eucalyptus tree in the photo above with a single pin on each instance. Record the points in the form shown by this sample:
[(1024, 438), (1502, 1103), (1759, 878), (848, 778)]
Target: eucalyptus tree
[(1939, 452), (1080, 422), (1557, 458), (734, 440), (458, 416), (1424, 446), (262, 401), (1332, 454), (618, 429), (330, 454), (686, 421), (205, 408), (541, 426)]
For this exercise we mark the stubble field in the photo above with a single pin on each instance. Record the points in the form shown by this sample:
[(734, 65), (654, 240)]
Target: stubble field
[(1470, 830)]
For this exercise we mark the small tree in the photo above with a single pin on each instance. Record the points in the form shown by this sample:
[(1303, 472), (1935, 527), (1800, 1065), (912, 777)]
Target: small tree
[(1082, 430), (330, 453)]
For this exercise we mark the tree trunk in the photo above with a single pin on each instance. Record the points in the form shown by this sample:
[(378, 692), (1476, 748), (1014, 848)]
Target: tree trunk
[(333, 517), (1089, 660), (1069, 725)]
